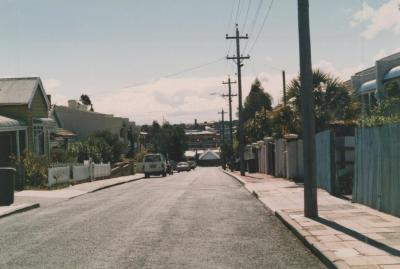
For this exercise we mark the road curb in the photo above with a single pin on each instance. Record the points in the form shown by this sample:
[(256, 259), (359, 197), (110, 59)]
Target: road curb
[(241, 181), (20, 210), (297, 231), (115, 184), (326, 258)]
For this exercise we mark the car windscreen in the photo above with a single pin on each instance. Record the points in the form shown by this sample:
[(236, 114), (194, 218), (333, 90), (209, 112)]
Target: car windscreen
[(152, 158)]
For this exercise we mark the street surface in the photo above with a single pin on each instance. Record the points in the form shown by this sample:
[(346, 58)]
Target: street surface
[(198, 219)]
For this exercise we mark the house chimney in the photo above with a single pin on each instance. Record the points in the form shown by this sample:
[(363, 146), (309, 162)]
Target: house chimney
[(49, 98)]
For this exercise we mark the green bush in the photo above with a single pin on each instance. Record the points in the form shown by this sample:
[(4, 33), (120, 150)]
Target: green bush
[(386, 112), (60, 155), (35, 168), (102, 146)]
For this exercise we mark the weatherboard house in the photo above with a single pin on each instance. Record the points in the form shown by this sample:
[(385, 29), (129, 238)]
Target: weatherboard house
[(24, 122)]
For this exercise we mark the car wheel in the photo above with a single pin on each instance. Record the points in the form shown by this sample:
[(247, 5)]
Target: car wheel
[(146, 175)]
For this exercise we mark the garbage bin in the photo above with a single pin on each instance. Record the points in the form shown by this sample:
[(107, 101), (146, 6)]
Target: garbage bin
[(7, 178)]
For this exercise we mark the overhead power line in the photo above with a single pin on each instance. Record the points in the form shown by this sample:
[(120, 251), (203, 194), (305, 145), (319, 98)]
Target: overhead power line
[(186, 70), (253, 23), (247, 14), (237, 13), (262, 25)]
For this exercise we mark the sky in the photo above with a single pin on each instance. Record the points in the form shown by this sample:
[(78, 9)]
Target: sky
[(162, 59)]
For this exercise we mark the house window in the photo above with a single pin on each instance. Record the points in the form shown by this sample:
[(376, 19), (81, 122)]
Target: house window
[(38, 139), (392, 89)]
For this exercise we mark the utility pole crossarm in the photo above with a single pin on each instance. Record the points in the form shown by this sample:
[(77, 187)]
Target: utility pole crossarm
[(236, 58), (237, 37), (229, 82), (228, 95)]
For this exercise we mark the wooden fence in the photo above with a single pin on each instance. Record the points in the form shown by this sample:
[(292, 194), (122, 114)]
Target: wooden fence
[(377, 168), (280, 158), (325, 160)]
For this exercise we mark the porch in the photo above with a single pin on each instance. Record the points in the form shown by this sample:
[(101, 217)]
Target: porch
[(13, 139)]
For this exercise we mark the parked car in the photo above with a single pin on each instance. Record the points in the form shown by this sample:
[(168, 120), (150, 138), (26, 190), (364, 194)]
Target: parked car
[(183, 166), (192, 164), (154, 164)]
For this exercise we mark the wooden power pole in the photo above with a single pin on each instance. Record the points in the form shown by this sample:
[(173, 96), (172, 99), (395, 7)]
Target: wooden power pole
[(230, 95), (222, 137), (307, 111), (284, 87), (238, 59), (222, 112)]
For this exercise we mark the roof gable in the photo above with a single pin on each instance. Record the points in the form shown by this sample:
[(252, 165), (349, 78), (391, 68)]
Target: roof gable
[(209, 155), (20, 91)]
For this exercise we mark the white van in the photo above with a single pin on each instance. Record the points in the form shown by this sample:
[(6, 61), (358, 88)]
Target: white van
[(154, 164)]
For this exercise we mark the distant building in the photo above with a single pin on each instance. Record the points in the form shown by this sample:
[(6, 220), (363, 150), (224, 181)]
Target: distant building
[(209, 158), (199, 139), (370, 83), (84, 123)]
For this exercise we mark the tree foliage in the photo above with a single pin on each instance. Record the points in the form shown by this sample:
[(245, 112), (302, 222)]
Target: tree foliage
[(332, 99), (283, 120), (256, 108), (257, 127), (102, 146), (85, 99), (167, 139), (256, 100)]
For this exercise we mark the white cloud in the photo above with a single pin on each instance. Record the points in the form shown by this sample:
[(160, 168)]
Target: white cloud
[(383, 53), (180, 99), (51, 84), (384, 18), (52, 87), (344, 73)]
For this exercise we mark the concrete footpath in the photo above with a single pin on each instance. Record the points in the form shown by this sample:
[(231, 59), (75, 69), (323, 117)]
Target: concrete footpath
[(30, 199), (345, 235)]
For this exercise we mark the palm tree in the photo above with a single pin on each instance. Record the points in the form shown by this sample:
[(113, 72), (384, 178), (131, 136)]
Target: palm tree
[(332, 98)]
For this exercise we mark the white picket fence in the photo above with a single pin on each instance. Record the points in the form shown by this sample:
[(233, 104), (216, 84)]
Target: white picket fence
[(101, 170), (62, 174), (59, 175), (80, 172)]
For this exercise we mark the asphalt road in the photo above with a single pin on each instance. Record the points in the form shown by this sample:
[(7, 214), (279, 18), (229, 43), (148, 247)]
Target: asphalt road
[(198, 219)]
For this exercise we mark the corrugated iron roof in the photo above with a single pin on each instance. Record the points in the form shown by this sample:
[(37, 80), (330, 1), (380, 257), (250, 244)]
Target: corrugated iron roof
[(9, 123), (368, 86), (19, 90), (393, 73)]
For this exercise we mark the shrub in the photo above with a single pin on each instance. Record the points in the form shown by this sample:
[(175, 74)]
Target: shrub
[(59, 155), (35, 168), (102, 146), (386, 112)]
